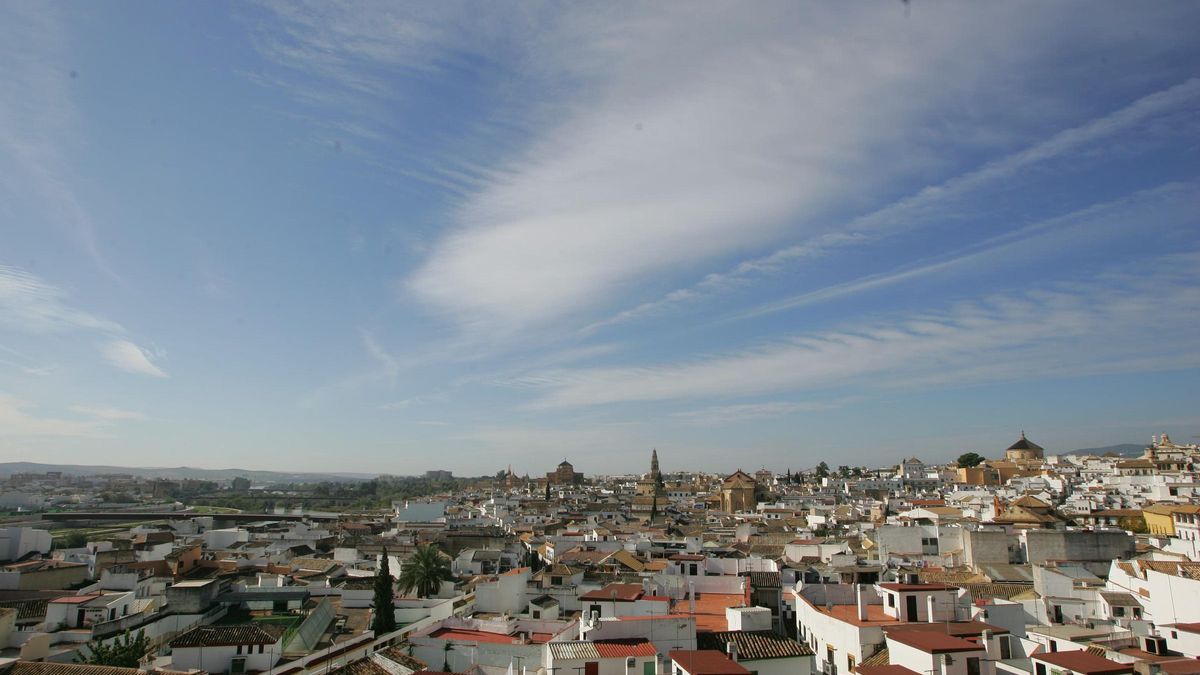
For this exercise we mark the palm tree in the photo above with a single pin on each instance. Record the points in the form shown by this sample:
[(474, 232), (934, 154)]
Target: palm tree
[(424, 571)]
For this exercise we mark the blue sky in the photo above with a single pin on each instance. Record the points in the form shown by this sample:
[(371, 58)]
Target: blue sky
[(401, 236)]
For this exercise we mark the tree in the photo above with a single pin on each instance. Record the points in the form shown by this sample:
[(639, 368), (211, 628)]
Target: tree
[(1134, 524), (654, 509), (424, 571), (74, 539), (822, 470), (858, 471), (385, 607), (125, 652), (547, 490), (844, 471), (970, 459)]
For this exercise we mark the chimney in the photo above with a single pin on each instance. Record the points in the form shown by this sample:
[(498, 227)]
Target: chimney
[(985, 638), (860, 601), (691, 597), (929, 604), (731, 650)]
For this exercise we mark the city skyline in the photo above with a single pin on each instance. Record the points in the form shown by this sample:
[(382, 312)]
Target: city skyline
[(368, 237)]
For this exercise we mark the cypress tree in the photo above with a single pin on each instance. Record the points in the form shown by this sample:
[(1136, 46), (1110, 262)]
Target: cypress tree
[(385, 608)]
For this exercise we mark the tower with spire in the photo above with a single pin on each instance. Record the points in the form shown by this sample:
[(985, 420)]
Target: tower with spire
[(650, 495)]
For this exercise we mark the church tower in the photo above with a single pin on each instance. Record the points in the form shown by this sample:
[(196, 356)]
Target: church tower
[(654, 464)]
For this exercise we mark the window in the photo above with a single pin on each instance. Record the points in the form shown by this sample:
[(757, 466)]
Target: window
[(1174, 635), (891, 600), (972, 665), (849, 662), (261, 648), (1118, 611), (1005, 647), (239, 649)]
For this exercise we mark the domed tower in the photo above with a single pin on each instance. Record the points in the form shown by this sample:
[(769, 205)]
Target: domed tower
[(1024, 450)]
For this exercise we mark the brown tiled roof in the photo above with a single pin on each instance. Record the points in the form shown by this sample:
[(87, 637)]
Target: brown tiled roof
[(1084, 662), (1005, 591), (886, 670), (242, 634), (625, 592), (766, 580), (754, 645), (879, 658), (27, 609), (706, 662), (45, 668), (933, 642)]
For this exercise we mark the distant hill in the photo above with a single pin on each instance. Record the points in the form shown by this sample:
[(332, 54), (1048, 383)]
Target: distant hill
[(1122, 449), (180, 472)]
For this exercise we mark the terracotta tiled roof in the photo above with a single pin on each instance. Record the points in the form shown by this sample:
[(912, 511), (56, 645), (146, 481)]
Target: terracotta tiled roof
[(754, 645), (879, 658), (886, 670), (1084, 662), (43, 668), (706, 662), (933, 642), (242, 634)]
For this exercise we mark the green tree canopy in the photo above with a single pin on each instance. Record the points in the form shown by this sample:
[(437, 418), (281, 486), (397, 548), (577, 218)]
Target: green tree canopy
[(970, 459), (424, 571), (125, 652), (384, 605), (822, 470)]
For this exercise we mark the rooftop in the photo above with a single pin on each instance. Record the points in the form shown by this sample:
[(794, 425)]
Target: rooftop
[(933, 642), (1082, 661), (706, 662)]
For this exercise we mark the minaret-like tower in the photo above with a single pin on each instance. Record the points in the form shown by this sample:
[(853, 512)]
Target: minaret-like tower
[(654, 463)]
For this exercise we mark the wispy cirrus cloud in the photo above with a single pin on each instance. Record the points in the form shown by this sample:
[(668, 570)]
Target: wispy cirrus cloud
[(19, 419), (1164, 208), (934, 204), (1085, 327), (734, 141), (29, 304), (131, 358), (719, 416), (107, 413), (37, 119)]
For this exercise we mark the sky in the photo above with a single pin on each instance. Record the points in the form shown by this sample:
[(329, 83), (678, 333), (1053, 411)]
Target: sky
[(392, 237)]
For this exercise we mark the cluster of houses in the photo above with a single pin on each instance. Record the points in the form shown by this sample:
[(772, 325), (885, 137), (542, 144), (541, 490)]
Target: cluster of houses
[(1025, 565)]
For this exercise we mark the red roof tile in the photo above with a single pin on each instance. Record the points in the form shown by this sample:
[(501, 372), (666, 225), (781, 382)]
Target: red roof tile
[(1082, 661), (917, 587), (621, 592), (892, 669), (933, 642), (706, 662), (619, 648)]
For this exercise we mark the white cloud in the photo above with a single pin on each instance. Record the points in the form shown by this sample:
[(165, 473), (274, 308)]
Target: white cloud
[(934, 204), (1100, 326), (750, 127), (1169, 207), (107, 413), (17, 421), (29, 304), (131, 358), (37, 119), (747, 412)]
